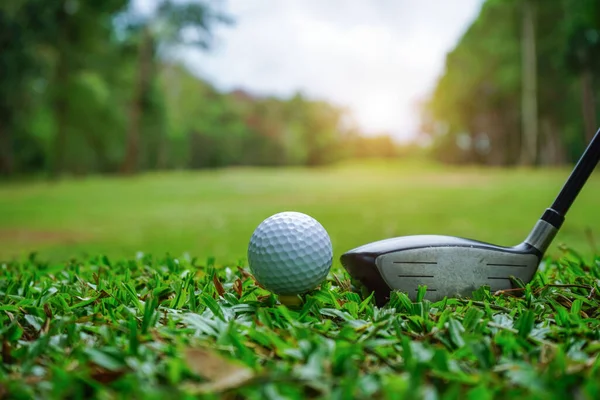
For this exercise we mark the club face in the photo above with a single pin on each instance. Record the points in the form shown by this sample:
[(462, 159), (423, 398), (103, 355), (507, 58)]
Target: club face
[(448, 266)]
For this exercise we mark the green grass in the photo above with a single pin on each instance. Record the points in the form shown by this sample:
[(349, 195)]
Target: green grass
[(213, 214), (175, 328), (102, 311)]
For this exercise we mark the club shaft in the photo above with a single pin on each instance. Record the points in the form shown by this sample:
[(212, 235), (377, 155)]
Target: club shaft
[(555, 215)]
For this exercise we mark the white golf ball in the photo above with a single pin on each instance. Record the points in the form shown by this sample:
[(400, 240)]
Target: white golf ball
[(290, 253)]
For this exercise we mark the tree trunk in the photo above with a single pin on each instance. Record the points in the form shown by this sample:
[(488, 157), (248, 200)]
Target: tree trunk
[(552, 151), (529, 142), (173, 89), (588, 103), (163, 153), (99, 148), (513, 143), (6, 150), (136, 109), (60, 110)]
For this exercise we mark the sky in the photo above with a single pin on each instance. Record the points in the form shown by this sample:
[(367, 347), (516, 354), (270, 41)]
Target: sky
[(378, 58)]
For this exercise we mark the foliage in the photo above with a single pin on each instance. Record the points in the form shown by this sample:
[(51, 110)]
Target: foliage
[(96, 88), (474, 114)]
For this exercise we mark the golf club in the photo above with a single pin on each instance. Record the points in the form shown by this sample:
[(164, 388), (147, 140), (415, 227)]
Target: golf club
[(454, 266)]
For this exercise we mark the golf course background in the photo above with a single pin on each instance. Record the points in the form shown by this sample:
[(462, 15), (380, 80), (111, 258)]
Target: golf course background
[(213, 213)]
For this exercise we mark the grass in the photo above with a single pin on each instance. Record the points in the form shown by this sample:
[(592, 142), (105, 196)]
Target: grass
[(140, 289), (173, 327), (213, 214)]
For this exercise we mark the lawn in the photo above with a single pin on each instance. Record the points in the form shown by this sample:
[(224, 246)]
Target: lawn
[(140, 289), (213, 214)]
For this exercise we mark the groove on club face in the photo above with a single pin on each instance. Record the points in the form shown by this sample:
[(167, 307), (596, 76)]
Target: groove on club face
[(507, 265), (415, 262), (457, 271)]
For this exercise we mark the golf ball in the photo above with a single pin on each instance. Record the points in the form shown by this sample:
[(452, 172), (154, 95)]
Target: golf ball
[(290, 253)]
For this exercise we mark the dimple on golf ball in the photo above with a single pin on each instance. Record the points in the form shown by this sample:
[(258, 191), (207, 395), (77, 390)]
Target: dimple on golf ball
[(290, 253)]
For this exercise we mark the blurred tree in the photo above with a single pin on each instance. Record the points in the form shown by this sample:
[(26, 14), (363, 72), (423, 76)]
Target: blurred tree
[(91, 87), (268, 131), (554, 114), (314, 131), (44, 47), (171, 25), (74, 31), (506, 95), (529, 147), (18, 67), (583, 54), (474, 109), (322, 128), (377, 146)]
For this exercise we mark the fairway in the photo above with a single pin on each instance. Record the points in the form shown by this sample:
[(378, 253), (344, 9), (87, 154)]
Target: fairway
[(213, 213)]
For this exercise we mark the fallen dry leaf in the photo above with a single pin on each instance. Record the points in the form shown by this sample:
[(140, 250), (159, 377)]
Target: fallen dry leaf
[(6, 353), (222, 373), (343, 284), (102, 375), (47, 311), (245, 273), (576, 367), (261, 350), (237, 286), (46, 327), (218, 285)]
